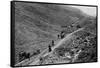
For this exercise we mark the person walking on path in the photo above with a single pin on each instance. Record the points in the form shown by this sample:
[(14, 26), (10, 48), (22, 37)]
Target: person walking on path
[(49, 47), (52, 43)]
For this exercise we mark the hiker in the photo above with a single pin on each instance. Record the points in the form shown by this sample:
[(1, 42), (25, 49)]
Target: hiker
[(62, 34), (41, 60), (28, 56), (52, 43), (58, 36), (49, 48), (23, 55)]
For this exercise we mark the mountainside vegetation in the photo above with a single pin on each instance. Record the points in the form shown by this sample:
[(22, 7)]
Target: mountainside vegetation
[(36, 24)]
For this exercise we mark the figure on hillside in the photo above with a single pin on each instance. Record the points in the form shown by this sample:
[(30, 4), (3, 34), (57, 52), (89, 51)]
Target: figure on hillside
[(41, 60), (24, 55), (58, 36), (27, 56), (49, 48), (62, 34), (52, 43)]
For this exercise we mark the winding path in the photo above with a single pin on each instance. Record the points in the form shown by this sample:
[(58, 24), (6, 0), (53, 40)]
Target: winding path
[(34, 61)]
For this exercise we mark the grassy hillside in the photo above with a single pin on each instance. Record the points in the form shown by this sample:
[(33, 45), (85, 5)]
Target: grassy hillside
[(37, 24)]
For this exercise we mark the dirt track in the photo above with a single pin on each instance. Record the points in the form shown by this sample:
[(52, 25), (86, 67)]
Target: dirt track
[(34, 61)]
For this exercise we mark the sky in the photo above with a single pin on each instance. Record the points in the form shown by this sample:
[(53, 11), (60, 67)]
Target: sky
[(88, 10)]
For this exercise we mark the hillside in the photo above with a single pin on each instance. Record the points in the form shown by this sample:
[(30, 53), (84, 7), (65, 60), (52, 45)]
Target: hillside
[(37, 24)]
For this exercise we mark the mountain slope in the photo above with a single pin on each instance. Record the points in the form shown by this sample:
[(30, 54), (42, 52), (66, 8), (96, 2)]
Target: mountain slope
[(37, 24)]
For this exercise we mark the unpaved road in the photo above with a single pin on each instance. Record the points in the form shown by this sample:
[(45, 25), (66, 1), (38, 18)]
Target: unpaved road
[(33, 61)]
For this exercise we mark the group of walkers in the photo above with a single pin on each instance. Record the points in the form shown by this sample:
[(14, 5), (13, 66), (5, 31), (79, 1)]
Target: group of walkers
[(50, 46), (60, 36), (25, 55)]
